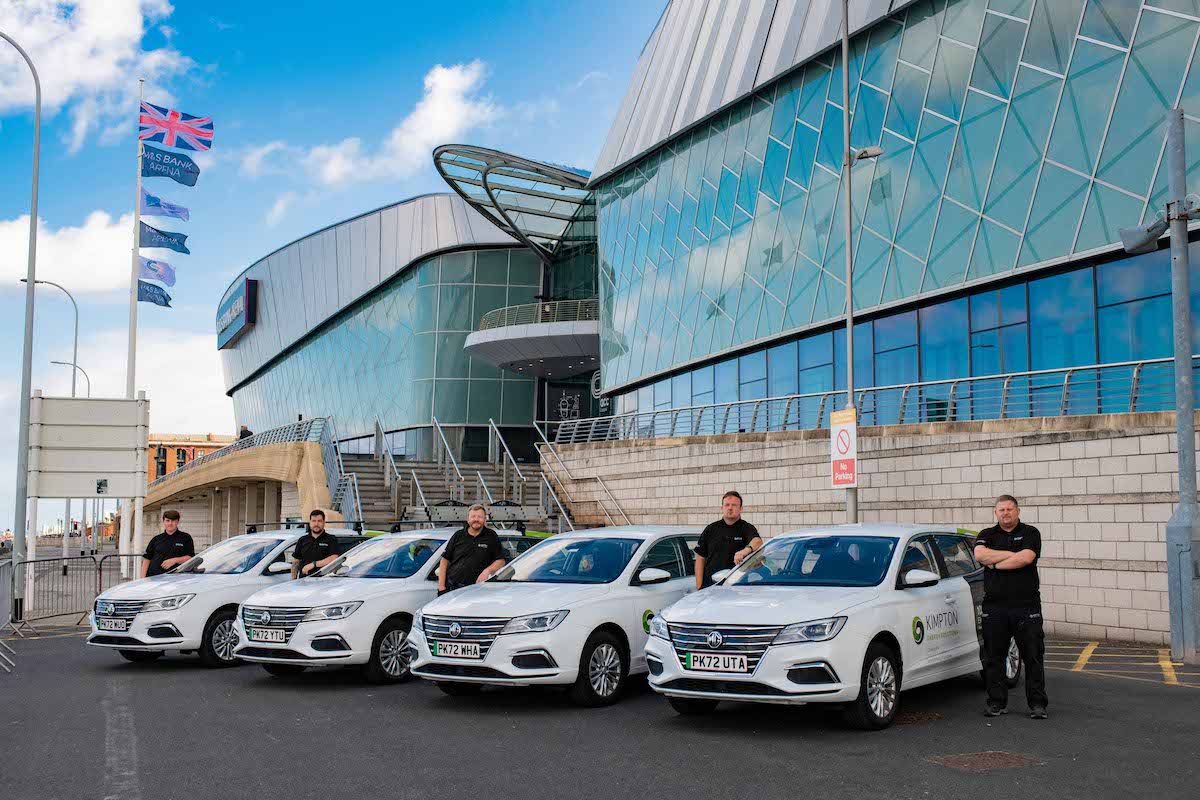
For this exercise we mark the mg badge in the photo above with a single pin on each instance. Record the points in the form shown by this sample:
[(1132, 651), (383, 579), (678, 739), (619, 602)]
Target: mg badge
[(455, 630), (265, 619), (105, 609), (715, 640)]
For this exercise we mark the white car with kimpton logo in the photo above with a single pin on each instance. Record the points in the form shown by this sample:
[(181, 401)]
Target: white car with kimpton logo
[(850, 614), (574, 611)]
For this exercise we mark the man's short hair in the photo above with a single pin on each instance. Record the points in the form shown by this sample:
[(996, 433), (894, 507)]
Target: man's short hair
[(477, 507), (171, 514), (732, 493), (1006, 498), (316, 512)]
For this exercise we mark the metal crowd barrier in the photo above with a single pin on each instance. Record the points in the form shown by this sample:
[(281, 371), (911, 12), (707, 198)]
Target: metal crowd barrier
[(60, 587), (117, 567)]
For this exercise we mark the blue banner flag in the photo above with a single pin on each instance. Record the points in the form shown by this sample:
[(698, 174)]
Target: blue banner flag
[(152, 270), (149, 293), (164, 164), (149, 236), (153, 206)]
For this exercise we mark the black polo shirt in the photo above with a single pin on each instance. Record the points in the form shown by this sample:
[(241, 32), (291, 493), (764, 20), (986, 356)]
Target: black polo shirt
[(315, 548), (719, 542), (167, 545), (470, 555), (1016, 588)]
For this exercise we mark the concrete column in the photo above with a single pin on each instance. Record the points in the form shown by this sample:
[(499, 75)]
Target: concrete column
[(271, 501), (233, 511), (216, 513), (250, 503)]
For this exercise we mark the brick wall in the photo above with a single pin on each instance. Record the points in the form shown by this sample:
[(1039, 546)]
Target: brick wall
[(1099, 488)]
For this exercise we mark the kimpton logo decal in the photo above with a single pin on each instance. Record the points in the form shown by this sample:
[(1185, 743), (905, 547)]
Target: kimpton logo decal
[(918, 630), (935, 626)]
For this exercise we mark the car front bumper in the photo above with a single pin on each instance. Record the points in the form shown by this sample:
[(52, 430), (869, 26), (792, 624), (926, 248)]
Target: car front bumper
[(791, 674), (298, 649), (173, 630), (558, 647)]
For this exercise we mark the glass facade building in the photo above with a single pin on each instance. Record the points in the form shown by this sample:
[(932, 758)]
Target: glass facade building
[(1018, 135)]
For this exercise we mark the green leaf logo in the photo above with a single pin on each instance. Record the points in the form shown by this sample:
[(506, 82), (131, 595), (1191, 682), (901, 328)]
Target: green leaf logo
[(918, 629)]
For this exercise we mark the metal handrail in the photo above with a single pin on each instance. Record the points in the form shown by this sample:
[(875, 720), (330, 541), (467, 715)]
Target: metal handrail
[(540, 313), (499, 437), (562, 512), (391, 474), (448, 453), (308, 430), (483, 484), (567, 470), (416, 482), (448, 450)]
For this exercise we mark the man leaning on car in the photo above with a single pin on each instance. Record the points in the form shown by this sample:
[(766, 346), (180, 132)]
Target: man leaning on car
[(168, 549), (724, 543), (472, 555), (315, 549)]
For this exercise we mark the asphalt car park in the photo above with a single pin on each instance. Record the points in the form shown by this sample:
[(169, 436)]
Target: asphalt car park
[(77, 723)]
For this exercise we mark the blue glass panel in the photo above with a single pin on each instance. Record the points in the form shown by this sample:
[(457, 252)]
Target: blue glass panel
[(812, 96), (706, 207), (787, 235), (921, 33), (804, 150), (831, 298), (760, 124), (735, 142), (963, 19), (814, 351), (868, 118), (1083, 111), (820, 213), (1182, 6), (687, 220), (951, 247), (887, 188), (925, 184), (908, 98), (1061, 310), (1158, 195), (944, 337), (1020, 153), (880, 63), (716, 152), (803, 293), (858, 52), (787, 98), (1107, 211), (971, 164), (747, 193), (1051, 33), (870, 266), (770, 318), (949, 83), (835, 253), (1135, 330), (995, 251), (781, 370), (985, 310), (1151, 82), (1016, 8), (746, 323), (1110, 20), (725, 196), (903, 277), (1055, 216), (831, 151), (762, 253), (1133, 278), (999, 52)]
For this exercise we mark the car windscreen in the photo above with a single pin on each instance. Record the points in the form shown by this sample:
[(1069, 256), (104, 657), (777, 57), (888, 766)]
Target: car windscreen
[(237, 555), (571, 561), (388, 558), (817, 561)]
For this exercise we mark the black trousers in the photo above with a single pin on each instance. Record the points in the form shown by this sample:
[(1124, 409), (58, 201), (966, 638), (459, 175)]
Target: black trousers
[(1000, 625)]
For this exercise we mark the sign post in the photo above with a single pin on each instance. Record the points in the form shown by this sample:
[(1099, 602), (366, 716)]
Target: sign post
[(843, 448)]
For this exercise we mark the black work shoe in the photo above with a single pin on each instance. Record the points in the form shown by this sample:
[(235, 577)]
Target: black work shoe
[(995, 711), (1037, 712)]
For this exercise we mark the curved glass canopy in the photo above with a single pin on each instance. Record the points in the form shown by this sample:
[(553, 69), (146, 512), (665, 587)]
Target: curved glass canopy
[(530, 200)]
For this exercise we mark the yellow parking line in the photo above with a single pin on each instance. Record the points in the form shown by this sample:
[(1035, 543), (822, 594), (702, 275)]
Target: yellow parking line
[(1082, 661), (1127, 677), (1168, 669)]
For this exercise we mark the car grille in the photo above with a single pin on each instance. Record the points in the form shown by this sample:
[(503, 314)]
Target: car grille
[(474, 629), (122, 609), (285, 618), (751, 640)]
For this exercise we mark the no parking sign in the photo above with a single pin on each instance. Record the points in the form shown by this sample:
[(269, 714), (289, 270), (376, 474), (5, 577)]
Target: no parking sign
[(843, 448)]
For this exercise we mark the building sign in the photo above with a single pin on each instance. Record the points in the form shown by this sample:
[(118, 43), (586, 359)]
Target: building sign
[(565, 402), (237, 314), (843, 448)]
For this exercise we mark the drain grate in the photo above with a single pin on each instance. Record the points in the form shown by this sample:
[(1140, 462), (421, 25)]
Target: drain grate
[(917, 717), (982, 762)]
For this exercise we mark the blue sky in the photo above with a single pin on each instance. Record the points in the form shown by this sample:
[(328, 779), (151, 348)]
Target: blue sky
[(321, 112)]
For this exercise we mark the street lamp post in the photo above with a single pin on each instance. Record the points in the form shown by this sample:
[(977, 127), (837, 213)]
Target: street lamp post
[(20, 499), (81, 371)]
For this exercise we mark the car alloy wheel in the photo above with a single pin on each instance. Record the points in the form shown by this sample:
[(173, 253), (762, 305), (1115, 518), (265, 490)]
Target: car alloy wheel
[(881, 687), (1012, 663), (604, 670), (393, 653), (225, 640)]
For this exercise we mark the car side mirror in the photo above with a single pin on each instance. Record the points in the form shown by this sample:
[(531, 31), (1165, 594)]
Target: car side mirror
[(650, 576), (916, 578), (721, 575), (278, 568)]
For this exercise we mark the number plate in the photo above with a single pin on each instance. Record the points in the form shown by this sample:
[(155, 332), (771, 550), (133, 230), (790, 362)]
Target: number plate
[(710, 662), (266, 635), (456, 649), (111, 624)]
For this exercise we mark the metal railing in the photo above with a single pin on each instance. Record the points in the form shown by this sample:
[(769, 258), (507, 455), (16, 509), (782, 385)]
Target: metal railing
[(445, 457), (501, 458), (343, 486), (567, 471), (1118, 387), (391, 473), (538, 313), (54, 587), (309, 430)]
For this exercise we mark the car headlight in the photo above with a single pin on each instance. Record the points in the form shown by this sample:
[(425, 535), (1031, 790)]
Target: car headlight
[(167, 603), (658, 627), (418, 623), (535, 623), (337, 611), (819, 630)]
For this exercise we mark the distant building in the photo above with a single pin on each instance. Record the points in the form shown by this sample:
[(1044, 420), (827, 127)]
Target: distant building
[(170, 451)]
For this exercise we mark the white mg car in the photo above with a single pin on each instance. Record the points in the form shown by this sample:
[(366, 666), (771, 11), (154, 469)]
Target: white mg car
[(192, 608), (574, 612), (850, 614), (356, 612)]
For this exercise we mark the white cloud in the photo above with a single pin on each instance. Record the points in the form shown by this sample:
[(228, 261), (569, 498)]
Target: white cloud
[(282, 203), (89, 56), (588, 77), (93, 257), (167, 31), (254, 160)]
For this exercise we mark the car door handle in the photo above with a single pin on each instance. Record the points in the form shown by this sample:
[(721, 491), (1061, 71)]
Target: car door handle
[(951, 599)]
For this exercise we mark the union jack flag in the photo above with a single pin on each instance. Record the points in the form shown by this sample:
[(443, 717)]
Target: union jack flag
[(174, 128)]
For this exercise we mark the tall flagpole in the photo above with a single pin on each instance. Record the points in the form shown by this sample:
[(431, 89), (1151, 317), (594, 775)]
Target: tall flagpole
[(128, 524)]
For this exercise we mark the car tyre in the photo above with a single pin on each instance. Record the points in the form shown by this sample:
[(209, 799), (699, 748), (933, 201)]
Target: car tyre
[(389, 661), (878, 689), (141, 656), (1014, 668), (220, 640), (284, 670), (460, 689), (692, 706), (603, 670)]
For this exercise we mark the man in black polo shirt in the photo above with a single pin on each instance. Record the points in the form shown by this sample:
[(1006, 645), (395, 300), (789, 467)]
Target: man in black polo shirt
[(1012, 606), (472, 555), (724, 543), (315, 549), (168, 549)]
